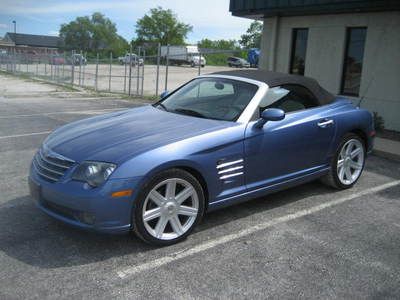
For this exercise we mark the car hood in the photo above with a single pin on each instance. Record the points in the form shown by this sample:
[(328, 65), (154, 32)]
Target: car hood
[(118, 136)]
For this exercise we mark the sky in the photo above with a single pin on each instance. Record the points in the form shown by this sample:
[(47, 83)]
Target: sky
[(209, 18)]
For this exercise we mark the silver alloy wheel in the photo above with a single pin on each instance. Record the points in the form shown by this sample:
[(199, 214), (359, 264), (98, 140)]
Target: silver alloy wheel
[(170, 209), (350, 161)]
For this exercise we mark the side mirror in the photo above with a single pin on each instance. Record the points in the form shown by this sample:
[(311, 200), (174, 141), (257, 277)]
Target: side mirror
[(164, 94), (270, 114)]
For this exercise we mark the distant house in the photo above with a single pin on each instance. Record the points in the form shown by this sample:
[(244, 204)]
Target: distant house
[(34, 44), (6, 46), (352, 47)]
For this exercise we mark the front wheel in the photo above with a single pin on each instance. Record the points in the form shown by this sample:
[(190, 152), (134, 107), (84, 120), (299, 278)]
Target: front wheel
[(168, 208), (347, 164)]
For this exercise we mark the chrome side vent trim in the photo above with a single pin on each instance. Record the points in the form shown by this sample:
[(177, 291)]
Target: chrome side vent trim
[(230, 163), (231, 175), (230, 169)]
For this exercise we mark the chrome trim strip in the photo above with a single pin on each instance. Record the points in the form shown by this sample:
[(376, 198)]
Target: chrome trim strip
[(230, 170), (248, 112), (219, 166), (53, 163), (46, 168), (231, 175), (42, 174)]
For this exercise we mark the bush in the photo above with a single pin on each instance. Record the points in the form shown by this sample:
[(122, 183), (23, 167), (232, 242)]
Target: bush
[(379, 122)]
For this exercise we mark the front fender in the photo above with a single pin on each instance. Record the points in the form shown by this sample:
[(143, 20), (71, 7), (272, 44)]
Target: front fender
[(201, 153)]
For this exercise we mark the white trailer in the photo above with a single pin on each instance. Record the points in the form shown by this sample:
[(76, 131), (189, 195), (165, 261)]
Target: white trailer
[(180, 55)]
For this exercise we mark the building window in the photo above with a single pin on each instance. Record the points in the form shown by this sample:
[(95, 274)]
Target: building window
[(299, 49), (353, 61)]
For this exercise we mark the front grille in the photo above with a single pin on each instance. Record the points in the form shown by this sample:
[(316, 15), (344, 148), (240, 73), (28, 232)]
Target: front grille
[(51, 166)]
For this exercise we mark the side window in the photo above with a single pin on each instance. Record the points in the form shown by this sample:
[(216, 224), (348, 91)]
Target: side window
[(289, 98)]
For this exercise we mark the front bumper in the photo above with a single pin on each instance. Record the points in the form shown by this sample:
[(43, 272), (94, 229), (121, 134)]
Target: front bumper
[(79, 205)]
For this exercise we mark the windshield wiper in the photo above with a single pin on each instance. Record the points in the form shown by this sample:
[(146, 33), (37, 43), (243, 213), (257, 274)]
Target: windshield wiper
[(162, 106), (189, 112)]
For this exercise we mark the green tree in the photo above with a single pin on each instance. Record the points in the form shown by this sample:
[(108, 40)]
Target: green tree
[(161, 26), (93, 34), (252, 37)]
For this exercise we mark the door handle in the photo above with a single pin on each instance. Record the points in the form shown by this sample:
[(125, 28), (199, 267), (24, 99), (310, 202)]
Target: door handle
[(325, 123)]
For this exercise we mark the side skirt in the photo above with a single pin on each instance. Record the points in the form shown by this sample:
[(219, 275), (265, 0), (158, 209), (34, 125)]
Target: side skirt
[(248, 195)]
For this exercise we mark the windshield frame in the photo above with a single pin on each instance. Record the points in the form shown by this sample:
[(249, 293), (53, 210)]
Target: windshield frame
[(247, 113)]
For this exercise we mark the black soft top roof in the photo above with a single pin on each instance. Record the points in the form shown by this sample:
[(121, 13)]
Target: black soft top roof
[(276, 79)]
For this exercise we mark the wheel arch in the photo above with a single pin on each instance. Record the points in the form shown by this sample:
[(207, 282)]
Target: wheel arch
[(185, 166), (197, 174), (362, 135)]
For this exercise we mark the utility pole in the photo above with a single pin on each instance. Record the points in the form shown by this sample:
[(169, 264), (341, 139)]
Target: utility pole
[(15, 45), (15, 27)]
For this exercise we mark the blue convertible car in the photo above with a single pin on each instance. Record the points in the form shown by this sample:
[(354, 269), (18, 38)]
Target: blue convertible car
[(217, 140)]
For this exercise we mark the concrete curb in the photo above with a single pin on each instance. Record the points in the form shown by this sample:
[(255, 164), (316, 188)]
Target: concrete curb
[(387, 148)]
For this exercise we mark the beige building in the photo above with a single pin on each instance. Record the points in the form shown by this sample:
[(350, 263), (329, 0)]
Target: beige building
[(351, 47)]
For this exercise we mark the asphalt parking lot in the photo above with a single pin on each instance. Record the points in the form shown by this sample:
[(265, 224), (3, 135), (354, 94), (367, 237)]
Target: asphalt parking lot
[(307, 242)]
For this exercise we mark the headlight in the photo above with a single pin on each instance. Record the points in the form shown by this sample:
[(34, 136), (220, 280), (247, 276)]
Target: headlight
[(93, 172)]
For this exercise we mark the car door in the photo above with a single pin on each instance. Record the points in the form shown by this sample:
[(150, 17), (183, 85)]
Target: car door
[(293, 147)]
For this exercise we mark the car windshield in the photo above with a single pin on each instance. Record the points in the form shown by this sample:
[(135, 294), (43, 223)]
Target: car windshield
[(210, 98)]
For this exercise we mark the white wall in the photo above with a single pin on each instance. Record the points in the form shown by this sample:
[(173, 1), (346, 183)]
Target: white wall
[(325, 54)]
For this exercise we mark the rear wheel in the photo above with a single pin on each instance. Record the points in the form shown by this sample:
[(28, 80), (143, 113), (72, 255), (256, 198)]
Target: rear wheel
[(347, 164), (169, 208)]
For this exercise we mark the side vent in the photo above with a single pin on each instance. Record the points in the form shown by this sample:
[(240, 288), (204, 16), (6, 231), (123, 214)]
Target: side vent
[(229, 169)]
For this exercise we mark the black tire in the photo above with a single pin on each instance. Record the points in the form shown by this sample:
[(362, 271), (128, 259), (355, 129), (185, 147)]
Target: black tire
[(192, 64), (138, 223), (332, 178)]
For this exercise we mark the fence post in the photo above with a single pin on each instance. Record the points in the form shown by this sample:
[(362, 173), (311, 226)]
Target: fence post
[(51, 68), (63, 67), (158, 67), (124, 76), (138, 71), (130, 70), (84, 68), (15, 62), (80, 69), (199, 71), (166, 69), (97, 72), (144, 59), (109, 79), (72, 67), (58, 72)]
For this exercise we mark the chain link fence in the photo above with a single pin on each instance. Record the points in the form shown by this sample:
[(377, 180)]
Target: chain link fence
[(133, 74)]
